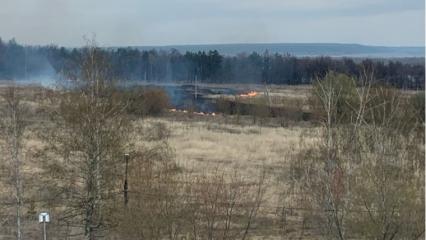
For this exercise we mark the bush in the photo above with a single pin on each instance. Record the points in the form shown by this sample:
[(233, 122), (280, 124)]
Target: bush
[(417, 104), (224, 105), (345, 100), (147, 101), (259, 109)]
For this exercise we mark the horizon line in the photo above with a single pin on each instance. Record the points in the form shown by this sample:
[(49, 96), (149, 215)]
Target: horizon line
[(270, 43), (214, 44)]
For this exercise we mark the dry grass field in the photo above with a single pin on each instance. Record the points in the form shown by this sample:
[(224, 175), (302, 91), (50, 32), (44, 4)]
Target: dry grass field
[(201, 145)]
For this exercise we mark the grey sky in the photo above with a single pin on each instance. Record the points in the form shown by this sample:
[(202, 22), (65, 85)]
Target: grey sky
[(163, 22)]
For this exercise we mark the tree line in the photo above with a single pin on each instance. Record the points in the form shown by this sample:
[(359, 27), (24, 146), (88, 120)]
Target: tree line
[(131, 64)]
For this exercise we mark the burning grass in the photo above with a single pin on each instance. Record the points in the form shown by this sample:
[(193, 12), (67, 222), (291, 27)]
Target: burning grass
[(249, 94)]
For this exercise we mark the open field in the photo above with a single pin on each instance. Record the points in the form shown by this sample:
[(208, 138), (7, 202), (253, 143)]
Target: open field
[(200, 144), (232, 151)]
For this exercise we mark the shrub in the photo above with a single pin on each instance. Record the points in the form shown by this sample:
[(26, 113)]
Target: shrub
[(417, 104), (224, 105), (344, 89), (259, 109), (147, 101)]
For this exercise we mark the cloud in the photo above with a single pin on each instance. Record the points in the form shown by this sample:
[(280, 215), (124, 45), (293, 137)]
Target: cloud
[(159, 22)]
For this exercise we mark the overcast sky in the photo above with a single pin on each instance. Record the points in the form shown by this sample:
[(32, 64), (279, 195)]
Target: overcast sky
[(166, 22)]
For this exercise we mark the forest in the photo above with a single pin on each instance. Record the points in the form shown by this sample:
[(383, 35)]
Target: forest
[(19, 62)]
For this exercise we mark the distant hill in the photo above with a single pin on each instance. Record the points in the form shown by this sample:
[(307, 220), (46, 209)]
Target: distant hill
[(302, 49)]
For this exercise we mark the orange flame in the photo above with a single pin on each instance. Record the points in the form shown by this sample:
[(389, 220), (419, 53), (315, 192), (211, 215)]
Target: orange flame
[(249, 94)]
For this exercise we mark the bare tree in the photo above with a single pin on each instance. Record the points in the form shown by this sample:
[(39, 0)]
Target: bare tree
[(228, 204), (360, 181), (156, 208), (13, 125), (167, 204), (92, 128), (328, 180)]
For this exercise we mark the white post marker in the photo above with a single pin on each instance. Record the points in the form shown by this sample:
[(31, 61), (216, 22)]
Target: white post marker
[(44, 218)]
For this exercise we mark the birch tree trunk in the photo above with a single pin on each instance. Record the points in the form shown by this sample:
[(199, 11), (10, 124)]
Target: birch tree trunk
[(13, 126)]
